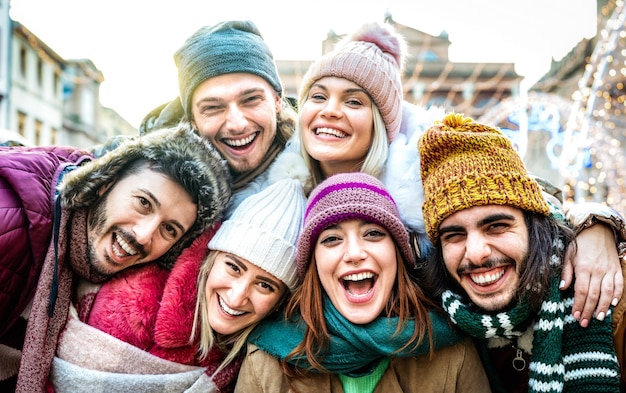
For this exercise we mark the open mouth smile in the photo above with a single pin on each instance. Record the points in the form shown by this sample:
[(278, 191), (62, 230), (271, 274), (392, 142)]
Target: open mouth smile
[(488, 277), (227, 309), (331, 132), (240, 143), (359, 285), (121, 248)]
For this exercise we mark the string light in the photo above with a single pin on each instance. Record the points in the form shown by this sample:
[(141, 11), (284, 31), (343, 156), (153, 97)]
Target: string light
[(593, 162)]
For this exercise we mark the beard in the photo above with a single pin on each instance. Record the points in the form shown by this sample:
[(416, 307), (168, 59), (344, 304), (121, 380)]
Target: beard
[(97, 226), (97, 221)]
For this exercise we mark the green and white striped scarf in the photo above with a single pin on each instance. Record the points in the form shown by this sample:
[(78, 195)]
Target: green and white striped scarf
[(565, 358)]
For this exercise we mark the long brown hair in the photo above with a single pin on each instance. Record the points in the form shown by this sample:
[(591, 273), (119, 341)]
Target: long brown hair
[(407, 301), (543, 233)]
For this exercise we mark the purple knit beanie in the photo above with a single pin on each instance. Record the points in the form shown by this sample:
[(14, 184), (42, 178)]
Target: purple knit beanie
[(350, 196), (372, 57)]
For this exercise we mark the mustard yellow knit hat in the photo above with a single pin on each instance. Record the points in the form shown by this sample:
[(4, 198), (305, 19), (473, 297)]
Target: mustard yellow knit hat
[(465, 164)]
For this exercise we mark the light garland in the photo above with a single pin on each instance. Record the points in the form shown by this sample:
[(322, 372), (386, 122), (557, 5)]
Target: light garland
[(593, 160)]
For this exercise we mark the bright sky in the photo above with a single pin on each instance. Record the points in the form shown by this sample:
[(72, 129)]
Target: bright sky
[(133, 42)]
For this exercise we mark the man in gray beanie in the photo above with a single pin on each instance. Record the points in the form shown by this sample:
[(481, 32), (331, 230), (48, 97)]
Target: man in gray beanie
[(66, 216), (231, 94)]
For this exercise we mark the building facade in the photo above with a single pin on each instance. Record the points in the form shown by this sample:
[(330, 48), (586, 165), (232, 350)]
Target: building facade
[(430, 78), (46, 99)]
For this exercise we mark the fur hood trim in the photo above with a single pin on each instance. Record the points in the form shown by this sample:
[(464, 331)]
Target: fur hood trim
[(178, 153)]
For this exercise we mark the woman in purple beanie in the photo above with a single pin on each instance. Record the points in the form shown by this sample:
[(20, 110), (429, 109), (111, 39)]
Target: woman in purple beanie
[(357, 322)]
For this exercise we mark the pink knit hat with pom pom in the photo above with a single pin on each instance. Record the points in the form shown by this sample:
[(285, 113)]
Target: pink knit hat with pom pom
[(372, 57)]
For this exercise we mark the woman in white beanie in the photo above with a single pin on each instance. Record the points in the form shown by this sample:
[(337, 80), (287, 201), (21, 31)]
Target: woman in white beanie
[(352, 117), (184, 330)]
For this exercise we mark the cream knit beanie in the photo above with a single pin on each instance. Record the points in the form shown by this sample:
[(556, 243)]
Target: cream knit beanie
[(264, 229)]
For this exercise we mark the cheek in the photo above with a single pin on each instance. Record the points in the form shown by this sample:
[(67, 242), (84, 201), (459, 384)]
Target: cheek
[(207, 128), (365, 137), (306, 115), (213, 281), (452, 256), (265, 304), (326, 261)]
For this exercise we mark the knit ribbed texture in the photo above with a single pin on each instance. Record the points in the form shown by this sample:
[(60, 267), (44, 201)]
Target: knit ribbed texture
[(566, 357), (365, 383), (352, 347), (465, 164), (224, 48), (350, 196), (264, 229), (372, 58)]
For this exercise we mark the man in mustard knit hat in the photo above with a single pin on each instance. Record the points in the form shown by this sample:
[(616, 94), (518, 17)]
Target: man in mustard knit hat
[(497, 264)]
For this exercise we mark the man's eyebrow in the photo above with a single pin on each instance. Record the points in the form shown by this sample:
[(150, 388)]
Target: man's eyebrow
[(495, 217), (251, 90), (451, 228), (154, 199), (485, 221)]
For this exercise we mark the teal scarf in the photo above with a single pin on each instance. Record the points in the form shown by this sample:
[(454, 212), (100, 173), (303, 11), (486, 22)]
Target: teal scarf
[(352, 347), (565, 358)]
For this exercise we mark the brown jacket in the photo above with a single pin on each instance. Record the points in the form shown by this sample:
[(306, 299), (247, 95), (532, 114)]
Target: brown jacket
[(619, 332), (453, 369)]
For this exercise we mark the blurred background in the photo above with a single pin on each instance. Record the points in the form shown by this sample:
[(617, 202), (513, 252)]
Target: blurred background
[(550, 74)]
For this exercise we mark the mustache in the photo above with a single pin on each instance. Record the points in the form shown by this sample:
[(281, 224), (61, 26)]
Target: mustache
[(131, 240), (487, 264)]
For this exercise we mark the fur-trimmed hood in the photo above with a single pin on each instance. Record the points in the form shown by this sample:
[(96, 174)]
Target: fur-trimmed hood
[(178, 153)]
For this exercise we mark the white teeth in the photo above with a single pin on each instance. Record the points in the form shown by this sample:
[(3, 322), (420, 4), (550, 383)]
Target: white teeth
[(330, 131), (358, 277), (486, 279), (117, 252), (240, 142), (126, 247), (229, 310)]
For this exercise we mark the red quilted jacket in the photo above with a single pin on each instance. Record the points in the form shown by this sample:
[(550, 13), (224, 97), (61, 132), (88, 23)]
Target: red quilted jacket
[(28, 178)]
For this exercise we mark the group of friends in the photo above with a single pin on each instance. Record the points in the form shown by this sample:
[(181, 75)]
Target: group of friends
[(347, 242)]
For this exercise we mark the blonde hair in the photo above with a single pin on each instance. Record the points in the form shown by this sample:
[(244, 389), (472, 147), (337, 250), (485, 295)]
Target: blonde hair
[(202, 332), (374, 159)]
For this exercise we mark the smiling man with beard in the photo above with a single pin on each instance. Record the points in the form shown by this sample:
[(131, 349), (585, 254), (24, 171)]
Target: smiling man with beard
[(497, 265), (65, 217)]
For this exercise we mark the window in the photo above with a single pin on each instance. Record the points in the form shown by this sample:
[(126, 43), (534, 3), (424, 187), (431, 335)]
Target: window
[(39, 72), (21, 123), (38, 126), (23, 61)]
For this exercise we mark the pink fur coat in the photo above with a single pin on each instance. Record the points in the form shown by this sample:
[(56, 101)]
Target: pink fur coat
[(153, 309)]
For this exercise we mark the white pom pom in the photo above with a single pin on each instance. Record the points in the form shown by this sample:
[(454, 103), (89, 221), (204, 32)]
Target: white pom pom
[(290, 165)]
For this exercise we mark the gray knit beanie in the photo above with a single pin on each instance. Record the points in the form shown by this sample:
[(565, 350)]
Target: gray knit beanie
[(178, 153), (224, 48)]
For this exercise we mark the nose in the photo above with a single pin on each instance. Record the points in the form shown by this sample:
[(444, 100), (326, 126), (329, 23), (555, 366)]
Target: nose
[(238, 293), (145, 229), (235, 118), (331, 109), (354, 251), (477, 248)]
